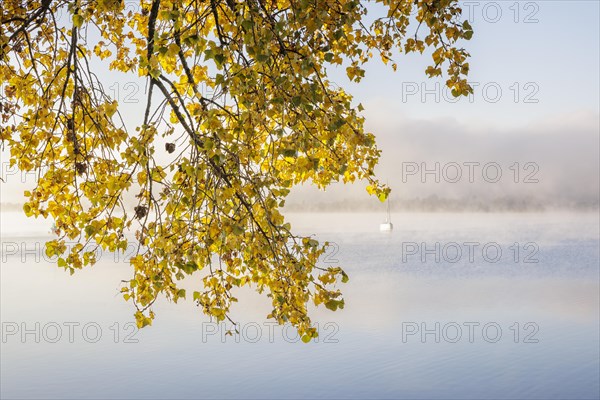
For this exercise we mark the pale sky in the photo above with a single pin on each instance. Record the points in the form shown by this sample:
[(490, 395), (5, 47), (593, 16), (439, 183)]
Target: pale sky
[(536, 100), (535, 67), (558, 55)]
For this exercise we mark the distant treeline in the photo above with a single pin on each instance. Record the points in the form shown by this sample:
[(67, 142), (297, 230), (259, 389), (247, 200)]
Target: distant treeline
[(439, 204), (426, 204), (11, 207)]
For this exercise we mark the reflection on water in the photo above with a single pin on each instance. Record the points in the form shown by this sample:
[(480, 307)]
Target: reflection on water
[(424, 318)]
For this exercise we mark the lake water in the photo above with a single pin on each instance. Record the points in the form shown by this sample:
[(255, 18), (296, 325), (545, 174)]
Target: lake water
[(445, 306)]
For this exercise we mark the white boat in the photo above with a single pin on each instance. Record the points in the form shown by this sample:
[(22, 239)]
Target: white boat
[(387, 225)]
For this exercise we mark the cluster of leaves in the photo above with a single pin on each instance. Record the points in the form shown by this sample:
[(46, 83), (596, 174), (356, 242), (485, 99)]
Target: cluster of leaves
[(209, 197)]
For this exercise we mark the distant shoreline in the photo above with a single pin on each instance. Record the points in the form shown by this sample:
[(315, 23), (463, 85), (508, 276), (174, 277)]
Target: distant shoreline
[(416, 206), (438, 204)]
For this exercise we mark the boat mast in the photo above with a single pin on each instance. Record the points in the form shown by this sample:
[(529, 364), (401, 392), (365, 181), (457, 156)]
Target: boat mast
[(389, 217)]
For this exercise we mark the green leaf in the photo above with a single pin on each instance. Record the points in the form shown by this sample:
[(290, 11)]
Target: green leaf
[(219, 59), (155, 73), (77, 20), (290, 153), (208, 144), (247, 24), (188, 267), (337, 124), (89, 230), (345, 277)]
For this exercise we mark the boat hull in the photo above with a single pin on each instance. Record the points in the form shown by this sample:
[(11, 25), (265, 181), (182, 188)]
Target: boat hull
[(387, 226)]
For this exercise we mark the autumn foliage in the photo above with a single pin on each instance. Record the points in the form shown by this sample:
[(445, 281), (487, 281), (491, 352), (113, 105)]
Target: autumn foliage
[(199, 178)]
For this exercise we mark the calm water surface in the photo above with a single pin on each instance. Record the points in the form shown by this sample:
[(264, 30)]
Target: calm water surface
[(445, 306)]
